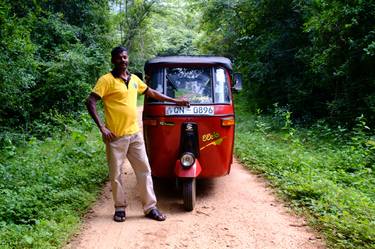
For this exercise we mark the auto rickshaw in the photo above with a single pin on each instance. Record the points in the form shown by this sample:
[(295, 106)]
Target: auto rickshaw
[(196, 141)]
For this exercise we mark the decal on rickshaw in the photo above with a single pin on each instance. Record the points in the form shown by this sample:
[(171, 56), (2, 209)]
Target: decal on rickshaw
[(167, 123), (189, 127), (210, 136), (216, 142), (199, 99)]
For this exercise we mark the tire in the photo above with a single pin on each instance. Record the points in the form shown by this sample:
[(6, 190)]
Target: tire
[(189, 193)]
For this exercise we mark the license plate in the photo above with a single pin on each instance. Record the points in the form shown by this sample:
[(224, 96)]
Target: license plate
[(192, 110)]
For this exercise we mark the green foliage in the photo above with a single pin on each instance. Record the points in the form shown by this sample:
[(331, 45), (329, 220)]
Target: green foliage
[(46, 186), (53, 53), (132, 19), (339, 57), (179, 38), (316, 57), (151, 28), (326, 172), (77, 69), (17, 67)]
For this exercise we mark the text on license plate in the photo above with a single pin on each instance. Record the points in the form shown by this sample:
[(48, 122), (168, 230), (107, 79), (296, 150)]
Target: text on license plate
[(192, 110)]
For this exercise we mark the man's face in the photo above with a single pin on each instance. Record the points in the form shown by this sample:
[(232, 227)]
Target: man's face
[(121, 60)]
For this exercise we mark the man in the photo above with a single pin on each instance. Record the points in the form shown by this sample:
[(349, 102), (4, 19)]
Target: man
[(118, 91)]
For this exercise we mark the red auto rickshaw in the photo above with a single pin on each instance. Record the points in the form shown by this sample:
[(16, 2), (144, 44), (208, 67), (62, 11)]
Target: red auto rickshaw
[(196, 141)]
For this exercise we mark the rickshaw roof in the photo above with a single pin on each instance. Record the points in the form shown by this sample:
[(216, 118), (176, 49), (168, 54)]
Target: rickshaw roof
[(189, 60)]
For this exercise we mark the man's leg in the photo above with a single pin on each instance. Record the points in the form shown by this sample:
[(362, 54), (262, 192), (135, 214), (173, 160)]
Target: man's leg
[(116, 151), (138, 159)]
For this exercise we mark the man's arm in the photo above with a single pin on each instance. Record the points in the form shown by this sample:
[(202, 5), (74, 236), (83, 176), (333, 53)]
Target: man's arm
[(159, 96), (91, 108)]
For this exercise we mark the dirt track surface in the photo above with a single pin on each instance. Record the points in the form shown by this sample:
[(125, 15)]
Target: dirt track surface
[(234, 211)]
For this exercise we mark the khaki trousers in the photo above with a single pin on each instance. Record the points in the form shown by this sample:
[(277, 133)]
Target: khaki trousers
[(133, 148)]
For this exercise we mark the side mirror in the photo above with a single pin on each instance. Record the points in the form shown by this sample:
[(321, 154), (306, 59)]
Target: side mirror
[(237, 80)]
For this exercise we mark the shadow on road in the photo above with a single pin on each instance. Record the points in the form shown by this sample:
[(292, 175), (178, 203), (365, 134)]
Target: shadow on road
[(169, 192)]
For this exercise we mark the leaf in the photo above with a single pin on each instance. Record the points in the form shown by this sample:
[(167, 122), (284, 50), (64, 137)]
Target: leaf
[(29, 240)]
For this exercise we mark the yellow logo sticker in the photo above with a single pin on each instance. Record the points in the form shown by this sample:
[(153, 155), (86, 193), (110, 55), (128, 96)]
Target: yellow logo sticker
[(214, 137), (210, 136), (216, 142)]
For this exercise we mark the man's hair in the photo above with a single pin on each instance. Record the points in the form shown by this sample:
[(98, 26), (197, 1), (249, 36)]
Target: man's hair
[(117, 50)]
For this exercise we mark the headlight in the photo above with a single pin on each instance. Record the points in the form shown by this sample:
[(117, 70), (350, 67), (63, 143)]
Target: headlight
[(187, 159)]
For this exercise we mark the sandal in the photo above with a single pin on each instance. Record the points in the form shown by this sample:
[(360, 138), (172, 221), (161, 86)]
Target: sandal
[(155, 214), (119, 216)]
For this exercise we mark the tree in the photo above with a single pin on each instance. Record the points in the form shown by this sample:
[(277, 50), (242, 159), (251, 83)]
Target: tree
[(18, 68), (53, 52), (341, 57), (313, 56), (150, 28)]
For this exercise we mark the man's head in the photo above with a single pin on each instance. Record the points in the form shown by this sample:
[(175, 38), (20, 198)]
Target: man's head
[(120, 57)]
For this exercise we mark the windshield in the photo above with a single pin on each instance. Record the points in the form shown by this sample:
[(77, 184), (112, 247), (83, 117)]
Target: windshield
[(189, 83), (198, 85)]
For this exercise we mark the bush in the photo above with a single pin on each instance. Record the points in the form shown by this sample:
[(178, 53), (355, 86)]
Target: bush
[(48, 185), (53, 52), (325, 172)]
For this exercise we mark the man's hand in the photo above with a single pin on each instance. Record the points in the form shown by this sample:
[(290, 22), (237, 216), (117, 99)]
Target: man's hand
[(159, 96), (107, 135), (182, 102)]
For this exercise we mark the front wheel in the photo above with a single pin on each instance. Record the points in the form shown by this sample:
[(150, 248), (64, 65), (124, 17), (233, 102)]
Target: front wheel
[(189, 193)]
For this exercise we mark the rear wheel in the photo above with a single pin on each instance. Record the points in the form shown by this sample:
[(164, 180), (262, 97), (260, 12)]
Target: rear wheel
[(189, 193)]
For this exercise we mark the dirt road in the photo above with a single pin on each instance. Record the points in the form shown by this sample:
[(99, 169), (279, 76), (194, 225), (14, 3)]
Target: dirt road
[(234, 211)]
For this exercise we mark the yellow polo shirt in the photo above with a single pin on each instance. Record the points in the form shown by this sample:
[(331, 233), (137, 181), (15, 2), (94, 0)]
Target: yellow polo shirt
[(120, 102)]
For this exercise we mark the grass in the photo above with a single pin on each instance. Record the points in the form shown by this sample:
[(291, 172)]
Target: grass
[(326, 173), (46, 186)]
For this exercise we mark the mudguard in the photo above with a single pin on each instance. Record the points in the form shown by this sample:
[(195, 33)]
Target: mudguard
[(192, 171)]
